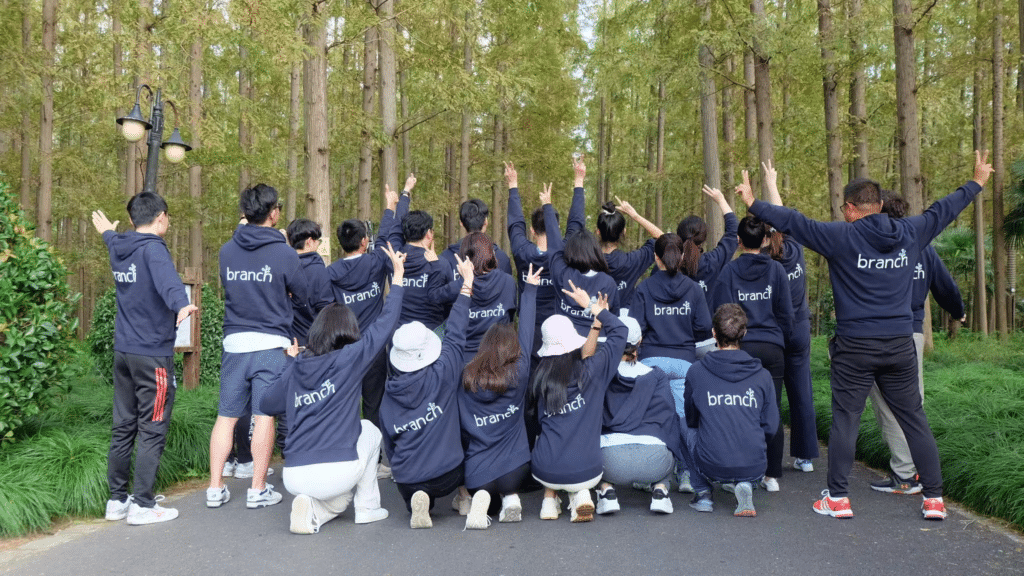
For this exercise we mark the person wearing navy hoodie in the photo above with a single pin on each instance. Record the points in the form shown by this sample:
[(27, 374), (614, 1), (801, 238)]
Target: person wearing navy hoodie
[(730, 403), (930, 275), (871, 261), (419, 413), (491, 402), (570, 384), (578, 262), (331, 454), (672, 313), (151, 303), (423, 272), (258, 271), (625, 268), (304, 236), (761, 287), (494, 291), (533, 250), (640, 435), (694, 232), (803, 445), (474, 217)]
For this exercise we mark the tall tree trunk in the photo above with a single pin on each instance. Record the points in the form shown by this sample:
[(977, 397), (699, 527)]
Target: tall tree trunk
[(467, 63), (195, 171), (498, 190), (858, 98), (1020, 56), (998, 236), (980, 277), (659, 195), (318, 186), (245, 99), (294, 116), (600, 152), (833, 136), (366, 150), (27, 200), (762, 91), (608, 154), (908, 137), (709, 129), (729, 130), (44, 199), (750, 115), (388, 94), (403, 94)]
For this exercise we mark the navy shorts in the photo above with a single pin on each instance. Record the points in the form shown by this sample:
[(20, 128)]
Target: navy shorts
[(245, 377)]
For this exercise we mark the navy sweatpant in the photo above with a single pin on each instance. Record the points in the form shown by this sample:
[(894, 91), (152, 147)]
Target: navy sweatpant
[(803, 442)]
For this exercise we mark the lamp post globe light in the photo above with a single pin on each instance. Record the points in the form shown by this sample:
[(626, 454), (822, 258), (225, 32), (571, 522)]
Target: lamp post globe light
[(134, 127)]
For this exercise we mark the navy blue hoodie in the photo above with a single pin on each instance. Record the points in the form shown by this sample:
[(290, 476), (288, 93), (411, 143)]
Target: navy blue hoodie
[(561, 274), (730, 400), (931, 275), (358, 282), (871, 261), (710, 264), (319, 295), (419, 413), (493, 302), (320, 394), (796, 270), (421, 276), (449, 256), (568, 449), (258, 270), (761, 287), (627, 267), (493, 428), (642, 405), (672, 312), (149, 293)]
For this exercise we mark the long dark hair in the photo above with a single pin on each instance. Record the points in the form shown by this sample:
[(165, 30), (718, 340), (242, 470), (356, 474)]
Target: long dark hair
[(494, 366), (669, 249), (775, 247), (583, 253), (610, 223), (693, 231), (334, 328), (554, 375), (478, 247)]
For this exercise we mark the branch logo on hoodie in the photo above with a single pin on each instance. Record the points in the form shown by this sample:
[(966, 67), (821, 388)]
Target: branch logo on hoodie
[(883, 263), (415, 282), (433, 410), (263, 275), (496, 312), (703, 286), (570, 406), (543, 281), (573, 311), (753, 296), (919, 272), (746, 401), (482, 421), (326, 389), (369, 294), (683, 310), (128, 277), (796, 273)]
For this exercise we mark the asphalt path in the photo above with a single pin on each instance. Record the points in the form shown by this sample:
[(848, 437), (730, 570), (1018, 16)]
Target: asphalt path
[(886, 536)]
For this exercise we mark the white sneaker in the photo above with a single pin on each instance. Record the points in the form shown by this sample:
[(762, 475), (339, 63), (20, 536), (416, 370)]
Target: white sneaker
[(581, 507), (383, 471), (550, 508), (477, 519), (660, 502), (217, 497), (368, 515), (261, 498), (117, 510), (511, 509), (803, 465), (303, 521), (245, 471), (420, 504), (770, 484), (607, 501), (462, 503), (229, 468), (137, 515)]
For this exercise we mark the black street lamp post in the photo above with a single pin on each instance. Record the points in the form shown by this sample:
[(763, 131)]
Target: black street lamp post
[(134, 127)]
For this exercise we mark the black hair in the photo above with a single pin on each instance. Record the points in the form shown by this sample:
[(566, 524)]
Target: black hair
[(861, 191), (610, 223), (494, 366), (893, 204), (351, 234), (669, 248), (630, 353), (301, 230), (144, 207), (694, 229), (478, 247), (257, 203), (415, 225), (730, 325), (752, 231), (583, 253), (334, 327), (554, 375), (537, 220), (473, 214)]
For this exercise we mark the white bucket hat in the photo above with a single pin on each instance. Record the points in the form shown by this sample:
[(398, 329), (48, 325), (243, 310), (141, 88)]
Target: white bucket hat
[(634, 329), (414, 346), (559, 336)]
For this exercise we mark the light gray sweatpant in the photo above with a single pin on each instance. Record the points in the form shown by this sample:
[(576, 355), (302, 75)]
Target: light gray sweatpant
[(900, 461)]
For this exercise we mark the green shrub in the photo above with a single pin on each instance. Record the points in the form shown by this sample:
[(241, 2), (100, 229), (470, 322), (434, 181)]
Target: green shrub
[(37, 319), (101, 334)]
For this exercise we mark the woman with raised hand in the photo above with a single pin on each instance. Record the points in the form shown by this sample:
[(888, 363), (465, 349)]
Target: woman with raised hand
[(491, 403), (570, 384), (331, 455), (419, 412), (624, 267), (694, 232)]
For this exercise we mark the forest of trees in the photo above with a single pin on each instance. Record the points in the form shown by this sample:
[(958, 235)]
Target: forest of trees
[(331, 100)]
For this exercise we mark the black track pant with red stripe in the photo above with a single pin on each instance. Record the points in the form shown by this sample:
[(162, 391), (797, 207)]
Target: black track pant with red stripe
[(143, 397)]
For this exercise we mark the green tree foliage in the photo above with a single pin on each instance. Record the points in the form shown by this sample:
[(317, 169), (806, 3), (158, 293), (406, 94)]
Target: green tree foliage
[(36, 319)]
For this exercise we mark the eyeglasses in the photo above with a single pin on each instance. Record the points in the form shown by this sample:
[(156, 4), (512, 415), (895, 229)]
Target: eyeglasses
[(279, 205)]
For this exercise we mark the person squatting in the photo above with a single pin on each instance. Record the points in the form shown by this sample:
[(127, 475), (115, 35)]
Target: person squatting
[(577, 372)]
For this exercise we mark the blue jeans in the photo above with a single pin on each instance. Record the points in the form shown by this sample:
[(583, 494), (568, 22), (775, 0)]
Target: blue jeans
[(676, 370)]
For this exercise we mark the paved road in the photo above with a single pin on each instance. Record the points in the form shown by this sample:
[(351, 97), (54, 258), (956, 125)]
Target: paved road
[(887, 536)]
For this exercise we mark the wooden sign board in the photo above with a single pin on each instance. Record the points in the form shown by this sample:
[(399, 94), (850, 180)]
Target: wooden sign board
[(187, 339)]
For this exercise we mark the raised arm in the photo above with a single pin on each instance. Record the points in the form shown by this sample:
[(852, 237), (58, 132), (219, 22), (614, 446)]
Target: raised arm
[(627, 209), (771, 178), (516, 223), (719, 199), (555, 242), (395, 236), (576, 220), (935, 219), (528, 312)]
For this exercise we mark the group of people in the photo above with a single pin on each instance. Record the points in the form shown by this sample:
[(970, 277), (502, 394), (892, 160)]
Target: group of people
[(591, 367)]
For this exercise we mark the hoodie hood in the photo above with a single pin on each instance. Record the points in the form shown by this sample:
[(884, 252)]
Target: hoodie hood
[(407, 389), (879, 231), (309, 371), (755, 267), (732, 365), (124, 245), (251, 237), (667, 288)]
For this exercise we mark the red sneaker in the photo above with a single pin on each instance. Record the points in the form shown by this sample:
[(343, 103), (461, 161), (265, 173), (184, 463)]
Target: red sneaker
[(933, 509), (834, 507)]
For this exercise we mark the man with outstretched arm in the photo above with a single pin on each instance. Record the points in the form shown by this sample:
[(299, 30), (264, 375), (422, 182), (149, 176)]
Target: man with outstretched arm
[(871, 261)]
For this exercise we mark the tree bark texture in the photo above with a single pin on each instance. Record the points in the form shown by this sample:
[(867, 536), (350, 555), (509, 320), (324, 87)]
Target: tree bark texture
[(833, 135), (908, 136), (195, 170), (980, 277), (858, 96), (467, 63), (729, 131), (44, 198), (318, 188), (388, 94), (762, 92), (366, 149), (998, 236), (294, 117), (27, 199), (709, 131)]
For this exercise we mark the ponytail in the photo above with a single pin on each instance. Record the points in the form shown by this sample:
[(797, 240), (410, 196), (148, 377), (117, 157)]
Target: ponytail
[(669, 248), (691, 258), (775, 247)]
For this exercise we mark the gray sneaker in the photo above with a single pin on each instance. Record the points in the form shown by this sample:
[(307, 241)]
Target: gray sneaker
[(117, 510), (744, 500), (702, 502), (217, 497), (261, 498)]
